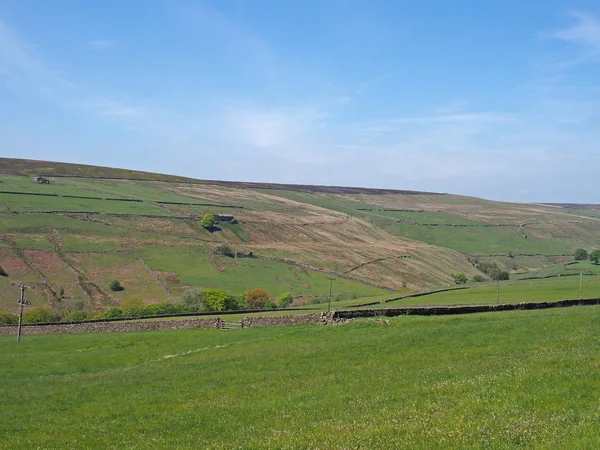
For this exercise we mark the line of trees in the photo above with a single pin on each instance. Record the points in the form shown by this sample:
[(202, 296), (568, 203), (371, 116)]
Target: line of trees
[(581, 254), (193, 300)]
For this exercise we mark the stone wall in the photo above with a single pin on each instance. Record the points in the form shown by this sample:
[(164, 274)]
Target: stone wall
[(112, 327), (322, 318), (463, 309)]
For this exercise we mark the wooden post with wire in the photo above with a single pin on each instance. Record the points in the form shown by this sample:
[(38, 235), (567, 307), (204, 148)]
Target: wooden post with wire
[(22, 303), (329, 303)]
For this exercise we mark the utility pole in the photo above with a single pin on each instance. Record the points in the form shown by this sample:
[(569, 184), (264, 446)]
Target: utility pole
[(498, 292), (22, 303), (580, 280), (329, 304)]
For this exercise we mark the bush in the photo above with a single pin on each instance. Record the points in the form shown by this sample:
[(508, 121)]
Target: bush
[(236, 302), (8, 318), (193, 298), (113, 312), (133, 307), (478, 279), (269, 305), (214, 300), (460, 278), (3, 272), (319, 299), (208, 221), (75, 316), (595, 257), (285, 300), (581, 254), (256, 298), (41, 315), (115, 286)]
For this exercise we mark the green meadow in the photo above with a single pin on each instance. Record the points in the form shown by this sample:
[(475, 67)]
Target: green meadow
[(526, 379)]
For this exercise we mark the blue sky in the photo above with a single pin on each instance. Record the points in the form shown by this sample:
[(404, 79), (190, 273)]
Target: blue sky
[(493, 99)]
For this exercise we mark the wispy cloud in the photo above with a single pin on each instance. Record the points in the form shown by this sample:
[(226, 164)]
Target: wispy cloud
[(100, 44), (22, 68), (585, 31)]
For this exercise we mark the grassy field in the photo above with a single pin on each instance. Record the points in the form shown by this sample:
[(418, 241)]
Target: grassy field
[(395, 240), (501, 380)]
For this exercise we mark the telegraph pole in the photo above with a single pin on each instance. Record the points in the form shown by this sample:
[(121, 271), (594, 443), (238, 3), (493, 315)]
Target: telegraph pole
[(580, 280), (498, 292), (22, 303), (329, 304)]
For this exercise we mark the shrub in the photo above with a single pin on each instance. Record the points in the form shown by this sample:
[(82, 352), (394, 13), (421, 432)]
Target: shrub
[(595, 257), (478, 279), (61, 292), (581, 254), (236, 302), (132, 307), (285, 300), (113, 312), (75, 316), (115, 286), (8, 318), (41, 315), (318, 300), (3, 272), (460, 278), (269, 305), (208, 221), (256, 298), (214, 300), (193, 298)]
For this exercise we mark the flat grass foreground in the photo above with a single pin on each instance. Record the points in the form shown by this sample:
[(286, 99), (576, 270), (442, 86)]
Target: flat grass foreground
[(501, 380)]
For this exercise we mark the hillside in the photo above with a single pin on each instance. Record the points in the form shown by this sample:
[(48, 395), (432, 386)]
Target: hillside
[(92, 225)]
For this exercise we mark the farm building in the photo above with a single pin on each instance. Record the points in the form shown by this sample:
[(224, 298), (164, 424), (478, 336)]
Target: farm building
[(40, 180)]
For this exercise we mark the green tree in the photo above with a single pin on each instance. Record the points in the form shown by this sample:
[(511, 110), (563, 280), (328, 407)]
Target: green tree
[(208, 221), (193, 298), (285, 300), (595, 257), (499, 275), (115, 286), (7, 318), (41, 315), (256, 298), (478, 279), (460, 278), (214, 300), (581, 254), (132, 307)]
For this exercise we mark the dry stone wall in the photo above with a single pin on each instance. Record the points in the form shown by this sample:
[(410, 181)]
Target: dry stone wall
[(115, 327), (323, 318)]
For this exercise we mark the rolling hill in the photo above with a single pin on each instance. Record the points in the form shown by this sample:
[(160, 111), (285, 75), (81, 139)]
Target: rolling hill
[(92, 225)]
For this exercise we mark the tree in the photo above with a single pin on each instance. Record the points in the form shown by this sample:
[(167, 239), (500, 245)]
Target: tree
[(478, 279), (115, 286), (460, 278), (132, 307), (595, 257), (193, 298), (285, 300), (208, 221), (256, 298), (499, 275), (214, 300), (3, 272), (581, 254)]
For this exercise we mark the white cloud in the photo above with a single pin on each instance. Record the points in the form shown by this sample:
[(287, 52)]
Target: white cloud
[(100, 44), (585, 31)]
